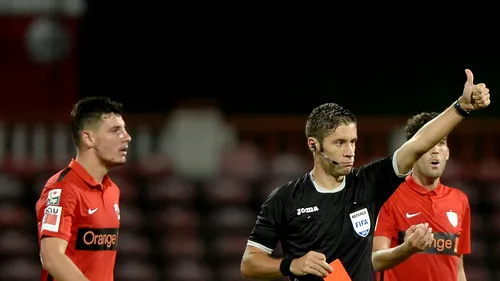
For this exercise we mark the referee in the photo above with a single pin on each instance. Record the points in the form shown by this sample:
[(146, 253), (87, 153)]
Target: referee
[(330, 213)]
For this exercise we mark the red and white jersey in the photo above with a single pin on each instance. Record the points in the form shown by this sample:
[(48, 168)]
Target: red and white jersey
[(76, 208), (446, 210)]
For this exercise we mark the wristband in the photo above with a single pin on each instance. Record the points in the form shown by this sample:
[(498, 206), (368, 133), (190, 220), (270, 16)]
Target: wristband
[(285, 266), (460, 110)]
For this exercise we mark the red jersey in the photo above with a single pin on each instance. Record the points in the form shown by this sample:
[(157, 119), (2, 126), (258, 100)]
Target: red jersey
[(76, 208), (446, 210)]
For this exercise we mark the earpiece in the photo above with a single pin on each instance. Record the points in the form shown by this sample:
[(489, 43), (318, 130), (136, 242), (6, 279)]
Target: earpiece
[(313, 147)]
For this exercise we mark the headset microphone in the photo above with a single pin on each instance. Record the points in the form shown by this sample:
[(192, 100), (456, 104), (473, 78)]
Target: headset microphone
[(326, 157), (313, 147)]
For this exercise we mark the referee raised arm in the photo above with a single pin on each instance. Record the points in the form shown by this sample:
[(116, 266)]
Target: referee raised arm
[(330, 213)]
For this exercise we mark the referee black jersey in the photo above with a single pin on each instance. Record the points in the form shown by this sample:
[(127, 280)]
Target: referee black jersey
[(338, 223)]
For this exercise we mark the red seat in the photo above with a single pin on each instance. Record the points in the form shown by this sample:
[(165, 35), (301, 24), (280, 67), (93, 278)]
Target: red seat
[(128, 190), (238, 219), (182, 245), (176, 219), (136, 270), (14, 216), (479, 250), (477, 272), (227, 190), (11, 188), (131, 216), (134, 245), (228, 247), (17, 243), (21, 269), (187, 270), (244, 161), (288, 165), (165, 190), (230, 272)]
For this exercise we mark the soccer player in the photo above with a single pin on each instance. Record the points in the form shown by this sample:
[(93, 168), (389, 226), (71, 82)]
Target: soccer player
[(329, 213), (423, 200), (78, 213)]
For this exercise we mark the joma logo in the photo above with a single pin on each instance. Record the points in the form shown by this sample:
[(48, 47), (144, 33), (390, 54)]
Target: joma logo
[(307, 210)]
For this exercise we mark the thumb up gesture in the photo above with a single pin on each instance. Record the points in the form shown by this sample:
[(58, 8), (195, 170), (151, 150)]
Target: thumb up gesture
[(474, 96)]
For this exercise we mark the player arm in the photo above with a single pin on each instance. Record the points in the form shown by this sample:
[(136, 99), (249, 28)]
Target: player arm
[(473, 97), (257, 262), (55, 261), (426, 138), (461, 271), (385, 257), (55, 231)]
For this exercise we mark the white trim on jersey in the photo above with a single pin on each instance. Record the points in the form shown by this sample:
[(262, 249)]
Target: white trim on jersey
[(260, 246), (321, 189), (395, 166)]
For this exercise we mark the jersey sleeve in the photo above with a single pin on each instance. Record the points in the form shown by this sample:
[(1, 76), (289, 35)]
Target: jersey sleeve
[(385, 226), (464, 240), (383, 178), (56, 211), (265, 234)]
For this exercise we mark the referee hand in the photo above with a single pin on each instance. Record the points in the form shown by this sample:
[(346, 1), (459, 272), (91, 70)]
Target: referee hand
[(474, 96), (312, 263), (419, 237)]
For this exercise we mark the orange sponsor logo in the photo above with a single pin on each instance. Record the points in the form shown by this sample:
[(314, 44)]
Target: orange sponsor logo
[(92, 239)]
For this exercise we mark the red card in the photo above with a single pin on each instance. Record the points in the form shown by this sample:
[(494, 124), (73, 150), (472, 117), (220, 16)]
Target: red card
[(339, 273)]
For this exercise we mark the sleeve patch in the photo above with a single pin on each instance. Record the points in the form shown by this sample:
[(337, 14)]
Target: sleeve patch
[(54, 197), (52, 218)]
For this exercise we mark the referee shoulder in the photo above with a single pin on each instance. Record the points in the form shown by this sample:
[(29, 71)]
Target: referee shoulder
[(292, 188)]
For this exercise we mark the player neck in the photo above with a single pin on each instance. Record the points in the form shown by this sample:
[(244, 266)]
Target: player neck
[(429, 183), (325, 180), (92, 165)]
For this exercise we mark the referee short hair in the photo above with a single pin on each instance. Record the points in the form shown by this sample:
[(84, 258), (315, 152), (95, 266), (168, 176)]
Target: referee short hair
[(418, 121), (89, 111), (325, 119)]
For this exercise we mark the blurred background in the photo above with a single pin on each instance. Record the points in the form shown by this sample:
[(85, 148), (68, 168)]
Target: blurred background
[(217, 113)]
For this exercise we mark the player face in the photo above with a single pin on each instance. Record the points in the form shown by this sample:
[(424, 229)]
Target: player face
[(111, 141), (339, 146), (432, 163)]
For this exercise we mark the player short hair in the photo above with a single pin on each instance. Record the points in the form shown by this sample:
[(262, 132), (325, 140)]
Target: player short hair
[(325, 119), (418, 121), (89, 111)]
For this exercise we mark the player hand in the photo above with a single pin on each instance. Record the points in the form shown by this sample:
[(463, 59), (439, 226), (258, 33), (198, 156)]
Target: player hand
[(419, 237), (474, 96), (312, 263)]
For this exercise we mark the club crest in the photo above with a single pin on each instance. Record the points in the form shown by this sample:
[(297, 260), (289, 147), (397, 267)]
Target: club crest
[(452, 217)]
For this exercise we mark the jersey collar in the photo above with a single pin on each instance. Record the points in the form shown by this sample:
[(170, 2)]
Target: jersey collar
[(321, 189), (420, 189), (80, 171)]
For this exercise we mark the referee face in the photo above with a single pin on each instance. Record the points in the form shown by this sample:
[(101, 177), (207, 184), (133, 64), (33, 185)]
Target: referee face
[(339, 146), (112, 141)]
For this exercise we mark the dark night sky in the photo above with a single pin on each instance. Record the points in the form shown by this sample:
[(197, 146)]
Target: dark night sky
[(148, 68)]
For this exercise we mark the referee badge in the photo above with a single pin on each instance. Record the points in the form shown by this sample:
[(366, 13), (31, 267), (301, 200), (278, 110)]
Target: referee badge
[(361, 222)]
